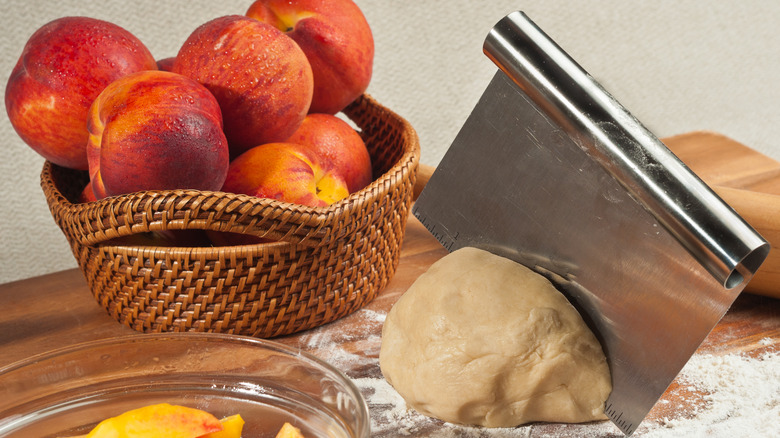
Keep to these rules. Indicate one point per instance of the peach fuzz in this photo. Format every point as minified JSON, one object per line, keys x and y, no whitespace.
{"x":155,"y":130}
{"x":337,"y":40}
{"x":339,"y":148}
{"x":260,"y":77}
{"x":62,"y":69}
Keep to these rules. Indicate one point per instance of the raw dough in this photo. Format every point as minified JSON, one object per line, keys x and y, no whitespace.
{"x":479,"y":339}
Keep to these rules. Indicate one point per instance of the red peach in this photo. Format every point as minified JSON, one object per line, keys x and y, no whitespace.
{"x":339,"y":148}
{"x":166,"y":64}
{"x":87,"y":195}
{"x":155,"y":130}
{"x":337,"y":40}
{"x":260,"y":77}
{"x":63,"y":67}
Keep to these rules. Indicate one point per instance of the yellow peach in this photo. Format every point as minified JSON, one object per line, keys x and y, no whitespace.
{"x":158,"y":421}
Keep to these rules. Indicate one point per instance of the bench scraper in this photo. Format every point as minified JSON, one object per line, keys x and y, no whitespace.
{"x":551,"y":171}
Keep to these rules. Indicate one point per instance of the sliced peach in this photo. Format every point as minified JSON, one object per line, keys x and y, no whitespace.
{"x":158,"y":421}
{"x":289,"y":431}
{"x":231,"y":428}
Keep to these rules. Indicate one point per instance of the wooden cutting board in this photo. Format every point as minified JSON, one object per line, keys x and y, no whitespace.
{"x":746,"y":179}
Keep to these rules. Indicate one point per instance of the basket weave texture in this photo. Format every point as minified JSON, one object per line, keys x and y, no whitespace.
{"x":325,"y":262}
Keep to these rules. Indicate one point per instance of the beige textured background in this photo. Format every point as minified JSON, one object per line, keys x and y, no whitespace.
{"x":678,"y":66}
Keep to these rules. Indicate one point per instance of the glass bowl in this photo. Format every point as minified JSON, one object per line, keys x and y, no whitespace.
{"x":68,"y":391}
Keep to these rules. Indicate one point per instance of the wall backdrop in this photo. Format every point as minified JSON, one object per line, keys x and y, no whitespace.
{"x":677,"y":65}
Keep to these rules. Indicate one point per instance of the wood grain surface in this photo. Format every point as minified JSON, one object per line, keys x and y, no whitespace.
{"x":57,"y":310}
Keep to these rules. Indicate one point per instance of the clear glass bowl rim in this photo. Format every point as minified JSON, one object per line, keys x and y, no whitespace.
{"x":362,"y":428}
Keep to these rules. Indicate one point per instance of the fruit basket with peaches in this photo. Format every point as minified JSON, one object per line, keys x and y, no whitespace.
{"x":248,"y":185}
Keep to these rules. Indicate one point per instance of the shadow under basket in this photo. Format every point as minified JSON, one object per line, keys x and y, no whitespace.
{"x":323,"y":263}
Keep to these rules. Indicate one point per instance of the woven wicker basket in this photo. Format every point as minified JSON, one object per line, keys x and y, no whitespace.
{"x":325,"y":264}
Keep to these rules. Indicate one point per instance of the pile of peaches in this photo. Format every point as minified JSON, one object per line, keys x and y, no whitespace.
{"x":248,"y":105}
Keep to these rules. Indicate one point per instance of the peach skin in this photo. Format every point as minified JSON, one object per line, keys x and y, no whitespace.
{"x":282,"y":171}
{"x":155,"y":130}
{"x":87,"y":194}
{"x":63,"y":67}
{"x":285,"y":172}
{"x":339,"y":148}
{"x":337,"y":40}
{"x":260,"y":77}
{"x":232,"y":427}
{"x":166,"y":64}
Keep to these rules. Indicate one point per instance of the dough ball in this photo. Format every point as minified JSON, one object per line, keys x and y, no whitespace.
{"x":480,"y":339}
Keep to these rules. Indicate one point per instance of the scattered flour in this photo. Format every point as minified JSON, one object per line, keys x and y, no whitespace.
{"x":742,"y":397}
{"x":732,"y":395}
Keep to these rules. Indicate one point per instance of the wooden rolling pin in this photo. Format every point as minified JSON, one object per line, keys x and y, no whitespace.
{"x":762,"y":212}
{"x":745,"y":179}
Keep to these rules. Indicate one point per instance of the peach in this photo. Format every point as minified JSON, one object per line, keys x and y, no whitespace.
{"x":166,"y":64}
{"x":155,"y":130}
{"x":87,"y":194}
{"x":337,"y":40}
{"x":63,"y":67}
{"x":260,"y":77}
{"x":285,"y":172}
{"x":339,"y":148}
{"x":161,"y":420}
{"x":289,"y":431}
{"x":232,"y":427}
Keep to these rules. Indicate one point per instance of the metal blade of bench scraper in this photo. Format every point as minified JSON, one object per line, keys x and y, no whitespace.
{"x":549,"y":170}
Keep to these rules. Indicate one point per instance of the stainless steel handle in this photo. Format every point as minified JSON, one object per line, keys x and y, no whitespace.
{"x":720,"y":240}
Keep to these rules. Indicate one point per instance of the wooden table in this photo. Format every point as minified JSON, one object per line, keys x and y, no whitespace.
{"x":57,"y":310}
